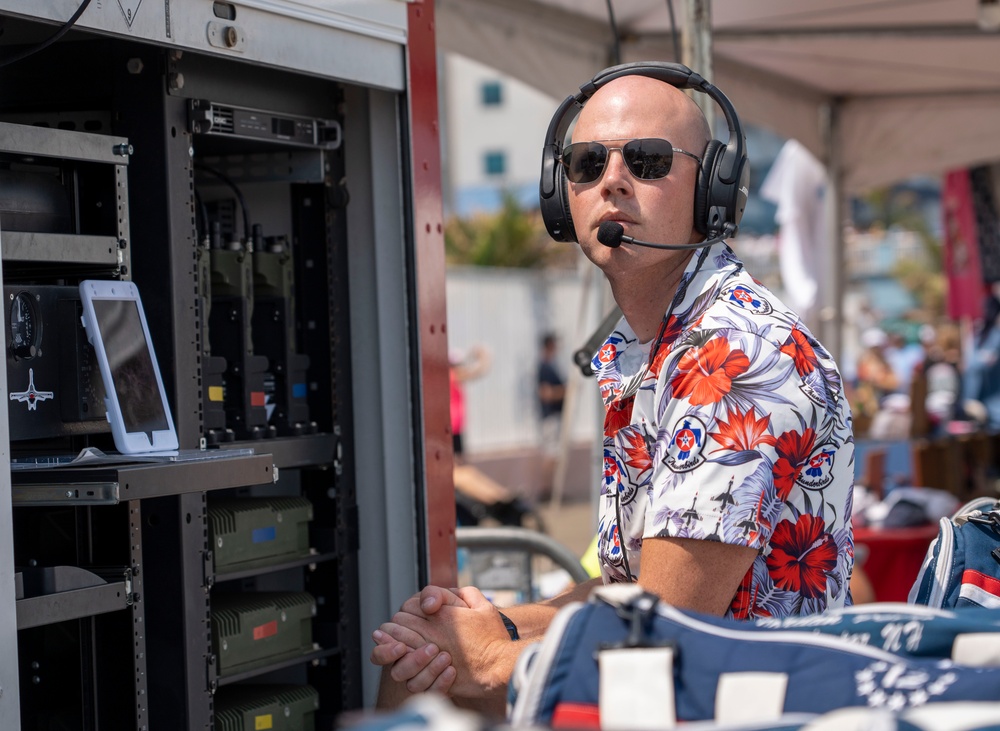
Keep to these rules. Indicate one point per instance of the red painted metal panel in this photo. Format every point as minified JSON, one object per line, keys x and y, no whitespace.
{"x":966,"y":291}
{"x":430,"y":278}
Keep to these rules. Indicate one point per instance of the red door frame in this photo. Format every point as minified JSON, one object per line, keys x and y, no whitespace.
{"x":430,"y":282}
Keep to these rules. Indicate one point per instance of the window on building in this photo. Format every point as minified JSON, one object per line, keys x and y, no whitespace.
{"x":492,"y":94}
{"x":495,"y":162}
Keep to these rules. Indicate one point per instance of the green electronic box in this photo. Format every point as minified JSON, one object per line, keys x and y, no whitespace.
{"x":266,"y":708}
{"x":249,"y":533}
{"x":255,"y":629}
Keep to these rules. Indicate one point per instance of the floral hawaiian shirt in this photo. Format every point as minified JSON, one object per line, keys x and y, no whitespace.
{"x":733,"y":428}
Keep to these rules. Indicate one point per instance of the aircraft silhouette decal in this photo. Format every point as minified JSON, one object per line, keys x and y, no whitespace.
{"x":31,"y":395}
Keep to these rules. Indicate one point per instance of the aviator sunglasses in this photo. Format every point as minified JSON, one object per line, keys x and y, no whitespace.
{"x":647,"y":159}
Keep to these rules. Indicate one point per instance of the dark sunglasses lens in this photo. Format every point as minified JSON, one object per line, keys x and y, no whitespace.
{"x":584,"y":161}
{"x":648,"y":159}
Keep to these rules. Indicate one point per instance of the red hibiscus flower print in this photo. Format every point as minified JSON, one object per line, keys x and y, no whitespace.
{"x":742,"y":604}
{"x":743,"y":432}
{"x":618,"y":415}
{"x":666,"y":342}
{"x":635,"y":448}
{"x":802,"y":553}
{"x":707,"y":373}
{"x":797,"y":348}
{"x":793,"y":451}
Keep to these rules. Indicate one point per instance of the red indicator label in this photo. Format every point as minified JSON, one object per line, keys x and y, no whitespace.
{"x":266,"y":630}
{"x":256,"y":398}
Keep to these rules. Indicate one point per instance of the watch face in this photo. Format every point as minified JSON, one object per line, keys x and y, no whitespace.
{"x":25,"y":325}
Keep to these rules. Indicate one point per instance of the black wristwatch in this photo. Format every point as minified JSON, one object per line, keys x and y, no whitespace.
{"x":511,"y":627}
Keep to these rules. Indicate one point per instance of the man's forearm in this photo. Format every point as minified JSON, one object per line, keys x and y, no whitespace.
{"x":533,"y":619}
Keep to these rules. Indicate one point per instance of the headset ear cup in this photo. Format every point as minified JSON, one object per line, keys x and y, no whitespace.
{"x":555,"y":210}
{"x":567,"y":216}
{"x":703,"y":187}
{"x":740,"y":193}
{"x":555,"y":207}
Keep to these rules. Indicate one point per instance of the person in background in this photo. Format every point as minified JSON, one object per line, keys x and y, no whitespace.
{"x":463,"y":367}
{"x":874,"y":370}
{"x":981,"y":384}
{"x":728,"y":453}
{"x":476,"y":494}
{"x":551,"y":394}
{"x":942,"y":371}
{"x":875,"y":379}
{"x":903,"y":357}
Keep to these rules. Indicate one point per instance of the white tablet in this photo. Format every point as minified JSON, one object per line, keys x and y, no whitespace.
{"x":136,"y":402}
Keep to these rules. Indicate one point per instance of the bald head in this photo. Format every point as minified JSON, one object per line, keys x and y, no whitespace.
{"x":657,"y":208}
{"x":639,"y":106}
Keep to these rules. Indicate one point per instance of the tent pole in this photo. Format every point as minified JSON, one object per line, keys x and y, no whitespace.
{"x":831,"y":292}
{"x":696,"y":49}
{"x":574,"y":379}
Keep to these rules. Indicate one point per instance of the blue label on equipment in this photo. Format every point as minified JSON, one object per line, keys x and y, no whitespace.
{"x":261,"y":535}
{"x":298,"y":390}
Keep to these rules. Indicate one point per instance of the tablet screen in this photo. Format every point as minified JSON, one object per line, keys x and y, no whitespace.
{"x":131,"y":365}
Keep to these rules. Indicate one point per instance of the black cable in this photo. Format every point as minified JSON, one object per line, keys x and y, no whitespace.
{"x":46,"y":43}
{"x":201,"y":218}
{"x":239,"y":196}
{"x":673,"y":32}
{"x":614,"y":30}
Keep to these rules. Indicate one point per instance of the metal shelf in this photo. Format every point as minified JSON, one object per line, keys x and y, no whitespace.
{"x":310,"y":657}
{"x":77,"y":249}
{"x":109,"y":485}
{"x":309,"y":560}
{"x":288,"y":452}
{"x":31,"y":140}
{"x":42,"y":610}
{"x":70,"y":592}
{"x":78,"y":493}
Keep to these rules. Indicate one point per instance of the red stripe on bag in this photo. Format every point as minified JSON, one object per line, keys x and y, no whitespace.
{"x":983,"y":581}
{"x":576,"y":715}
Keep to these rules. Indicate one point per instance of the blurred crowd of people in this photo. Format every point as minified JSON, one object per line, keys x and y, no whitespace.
{"x":925,"y":382}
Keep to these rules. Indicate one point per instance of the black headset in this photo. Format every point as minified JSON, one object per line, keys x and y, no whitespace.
{"x":723,"y":177}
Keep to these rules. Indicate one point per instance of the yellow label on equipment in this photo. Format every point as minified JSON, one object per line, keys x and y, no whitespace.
{"x":261,"y":723}
{"x":215,"y":394}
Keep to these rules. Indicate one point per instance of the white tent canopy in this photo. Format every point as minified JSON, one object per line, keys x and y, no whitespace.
{"x":879,"y":90}
{"x":915,"y":83}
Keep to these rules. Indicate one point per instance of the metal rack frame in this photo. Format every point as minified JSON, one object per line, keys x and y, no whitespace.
{"x":379,"y":333}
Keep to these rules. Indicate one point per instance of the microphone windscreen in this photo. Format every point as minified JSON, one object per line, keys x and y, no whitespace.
{"x":610,"y":234}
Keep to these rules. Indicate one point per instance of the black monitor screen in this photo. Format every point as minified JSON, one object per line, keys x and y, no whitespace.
{"x":131,"y":365}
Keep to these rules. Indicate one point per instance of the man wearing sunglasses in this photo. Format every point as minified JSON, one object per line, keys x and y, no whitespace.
{"x":728,"y":453}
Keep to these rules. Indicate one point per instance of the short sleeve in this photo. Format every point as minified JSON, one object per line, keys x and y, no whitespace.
{"x":742,"y":441}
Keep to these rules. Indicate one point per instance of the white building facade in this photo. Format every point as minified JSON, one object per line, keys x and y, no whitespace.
{"x":494,"y":127}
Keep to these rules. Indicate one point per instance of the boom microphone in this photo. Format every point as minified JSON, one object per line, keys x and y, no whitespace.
{"x":612,"y":235}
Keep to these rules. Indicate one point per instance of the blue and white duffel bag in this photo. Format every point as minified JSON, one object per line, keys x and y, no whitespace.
{"x":624,"y":660}
{"x":962,"y":566}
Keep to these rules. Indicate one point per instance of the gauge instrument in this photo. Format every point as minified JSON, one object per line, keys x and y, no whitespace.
{"x":25,"y":325}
